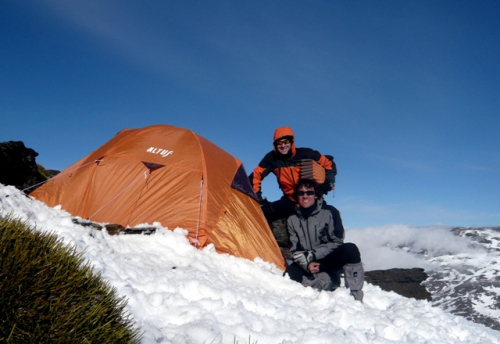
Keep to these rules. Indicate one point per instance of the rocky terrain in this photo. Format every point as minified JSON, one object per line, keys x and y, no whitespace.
{"x":468,"y":284}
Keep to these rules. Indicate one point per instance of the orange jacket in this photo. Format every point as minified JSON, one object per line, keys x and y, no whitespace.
{"x":286,"y":167}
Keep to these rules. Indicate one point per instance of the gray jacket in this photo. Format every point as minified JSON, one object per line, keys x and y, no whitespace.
{"x":321,"y":232}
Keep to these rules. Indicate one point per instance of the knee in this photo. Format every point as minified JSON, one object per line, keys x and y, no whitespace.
{"x":294,"y":272}
{"x":352,"y":253}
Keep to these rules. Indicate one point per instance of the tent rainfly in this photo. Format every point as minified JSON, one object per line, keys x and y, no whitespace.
{"x":172,"y":176}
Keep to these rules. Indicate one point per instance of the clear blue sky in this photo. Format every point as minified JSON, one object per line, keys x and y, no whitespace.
{"x":404,"y":94}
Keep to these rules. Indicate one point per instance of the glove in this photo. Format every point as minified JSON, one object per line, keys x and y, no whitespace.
{"x":262,"y":201}
{"x":303,"y":258}
{"x":259,"y":196}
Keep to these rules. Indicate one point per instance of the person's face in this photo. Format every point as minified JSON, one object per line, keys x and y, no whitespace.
{"x":306,"y":196}
{"x":283,"y":146}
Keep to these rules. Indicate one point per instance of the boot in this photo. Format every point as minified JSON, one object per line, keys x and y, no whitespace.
{"x":354,"y":277}
{"x":335,"y":278}
{"x":319,"y":281}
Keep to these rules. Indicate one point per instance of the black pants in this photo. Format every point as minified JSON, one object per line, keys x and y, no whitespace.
{"x":279,"y":209}
{"x":347,"y":253}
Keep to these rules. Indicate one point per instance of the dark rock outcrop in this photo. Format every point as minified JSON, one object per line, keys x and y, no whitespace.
{"x":405,"y":282}
{"x":280,"y":234}
{"x":18,"y":165}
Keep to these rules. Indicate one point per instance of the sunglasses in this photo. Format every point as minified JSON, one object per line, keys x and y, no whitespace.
{"x":308,"y":193}
{"x":282,"y":142}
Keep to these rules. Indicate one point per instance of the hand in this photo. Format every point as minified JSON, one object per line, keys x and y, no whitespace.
{"x":313,"y":267}
{"x":303,"y":258}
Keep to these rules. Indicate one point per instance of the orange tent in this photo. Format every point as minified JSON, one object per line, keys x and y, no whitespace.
{"x":173,"y":176}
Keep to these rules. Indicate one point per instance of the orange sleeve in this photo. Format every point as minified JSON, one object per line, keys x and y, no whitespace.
{"x":325,"y":162}
{"x":257,"y":178}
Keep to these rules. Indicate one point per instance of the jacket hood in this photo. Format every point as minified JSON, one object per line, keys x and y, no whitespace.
{"x":285,"y":132}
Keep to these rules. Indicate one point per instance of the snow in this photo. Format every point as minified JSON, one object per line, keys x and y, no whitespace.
{"x":179,"y":294}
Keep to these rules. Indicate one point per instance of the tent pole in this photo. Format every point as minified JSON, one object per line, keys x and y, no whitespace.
{"x":199,"y":212}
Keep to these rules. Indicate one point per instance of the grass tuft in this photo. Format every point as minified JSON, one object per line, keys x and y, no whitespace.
{"x":48,"y":294}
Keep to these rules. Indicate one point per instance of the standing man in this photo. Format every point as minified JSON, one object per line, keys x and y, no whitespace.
{"x":318,"y":249}
{"x":284,"y":161}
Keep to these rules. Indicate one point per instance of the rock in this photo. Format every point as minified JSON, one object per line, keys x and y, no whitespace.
{"x":405,"y":282}
{"x":19,"y":166}
{"x":114,"y":228}
{"x":278,"y":228}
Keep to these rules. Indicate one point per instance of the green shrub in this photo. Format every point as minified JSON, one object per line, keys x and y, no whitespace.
{"x":49,"y":295}
{"x":46,"y":174}
{"x":43,"y":171}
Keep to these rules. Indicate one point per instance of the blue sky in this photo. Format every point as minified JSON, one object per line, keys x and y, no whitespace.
{"x":404,"y":94}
